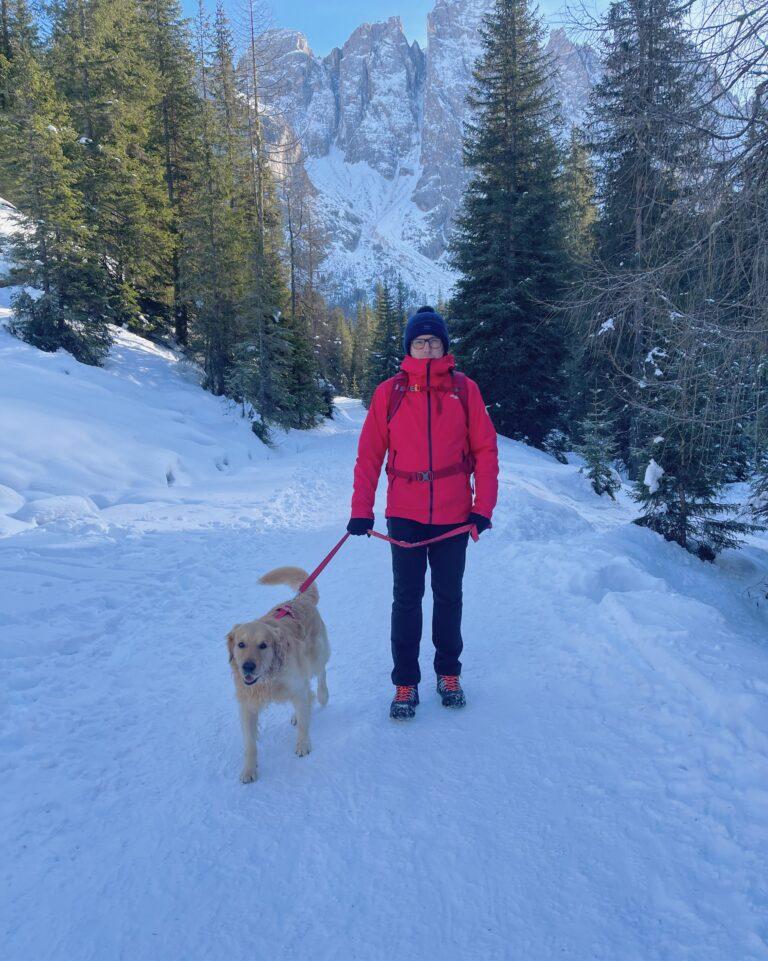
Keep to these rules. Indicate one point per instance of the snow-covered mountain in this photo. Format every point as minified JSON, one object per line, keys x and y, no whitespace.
{"x":379,"y":123}
{"x":601,"y":796}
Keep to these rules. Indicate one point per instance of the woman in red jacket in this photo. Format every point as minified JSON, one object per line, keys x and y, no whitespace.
{"x":432,"y":424}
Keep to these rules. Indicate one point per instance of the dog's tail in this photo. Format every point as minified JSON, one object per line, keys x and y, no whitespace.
{"x":294,"y":577}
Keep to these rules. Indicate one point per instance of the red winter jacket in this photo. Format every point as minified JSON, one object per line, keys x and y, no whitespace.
{"x":429,"y":431}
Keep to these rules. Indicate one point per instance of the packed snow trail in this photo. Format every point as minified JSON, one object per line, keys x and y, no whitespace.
{"x":602,"y":796}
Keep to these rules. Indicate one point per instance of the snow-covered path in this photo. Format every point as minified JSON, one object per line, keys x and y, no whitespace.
{"x":603,"y":795}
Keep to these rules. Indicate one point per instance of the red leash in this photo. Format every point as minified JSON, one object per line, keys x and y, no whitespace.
{"x":322,"y":565}
{"x":464,"y":529}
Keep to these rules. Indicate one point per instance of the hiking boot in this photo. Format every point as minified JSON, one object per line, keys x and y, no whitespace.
{"x":404,"y":704}
{"x":450,"y":691}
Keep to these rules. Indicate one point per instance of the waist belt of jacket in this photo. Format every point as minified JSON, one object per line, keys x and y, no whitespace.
{"x":466,"y":466}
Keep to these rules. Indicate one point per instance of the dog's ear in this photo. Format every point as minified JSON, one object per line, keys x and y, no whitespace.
{"x":231,"y":641}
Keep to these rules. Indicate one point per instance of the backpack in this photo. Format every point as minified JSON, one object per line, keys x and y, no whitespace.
{"x":458,"y":388}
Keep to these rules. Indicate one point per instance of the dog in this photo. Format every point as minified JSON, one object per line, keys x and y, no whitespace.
{"x":274,"y":658}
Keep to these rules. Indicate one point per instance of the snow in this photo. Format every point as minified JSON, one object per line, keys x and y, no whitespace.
{"x":9,"y":223}
{"x":653,"y":474}
{"x":606,"y":326}
{"x":380,"y":221}
{"x":602,"y":795}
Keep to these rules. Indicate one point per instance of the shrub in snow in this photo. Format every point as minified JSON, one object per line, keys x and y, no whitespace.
{"x":679,"y":495}
{"x":598,"y":448}
{"x":51,"y":323}
{"x":758,"y":500}
{"x":556,"y":444}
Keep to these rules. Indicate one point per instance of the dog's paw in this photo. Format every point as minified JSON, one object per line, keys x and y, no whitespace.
{"x":303,"y":748}
{"x":248,"y":775}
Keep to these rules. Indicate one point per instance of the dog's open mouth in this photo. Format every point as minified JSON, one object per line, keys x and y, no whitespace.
{"x":250,"y":679}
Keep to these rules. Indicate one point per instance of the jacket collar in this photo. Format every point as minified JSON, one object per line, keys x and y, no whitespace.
{"x":416,"y":367}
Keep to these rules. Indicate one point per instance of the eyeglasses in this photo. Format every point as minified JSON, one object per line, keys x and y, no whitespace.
{"x":420,"y":343}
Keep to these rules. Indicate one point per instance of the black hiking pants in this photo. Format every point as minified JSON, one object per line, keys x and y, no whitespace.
{"x":409,"y":565}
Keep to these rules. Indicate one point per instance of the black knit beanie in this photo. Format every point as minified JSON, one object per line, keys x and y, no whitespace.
{"x":426,"y":320}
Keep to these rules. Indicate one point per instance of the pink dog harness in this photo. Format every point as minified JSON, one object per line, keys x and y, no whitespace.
{"x":285,"y":611}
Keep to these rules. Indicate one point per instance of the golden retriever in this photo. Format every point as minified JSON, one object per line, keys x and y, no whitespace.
{"x":274,"y":659}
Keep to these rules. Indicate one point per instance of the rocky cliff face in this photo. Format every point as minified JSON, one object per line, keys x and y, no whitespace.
{"x":364,"y":98}
{"x":453,"y":45}
{"x":380,"y":78}
{"x":377,"y":125}
{"x":578,"y":67}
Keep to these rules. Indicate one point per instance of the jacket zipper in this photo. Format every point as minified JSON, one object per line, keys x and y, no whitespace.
{"x":429,"y":441}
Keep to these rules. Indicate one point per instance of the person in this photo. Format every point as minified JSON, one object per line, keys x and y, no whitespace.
{"x":432,"y":424}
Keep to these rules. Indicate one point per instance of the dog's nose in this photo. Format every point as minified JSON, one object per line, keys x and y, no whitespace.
{"x":249,"y":667}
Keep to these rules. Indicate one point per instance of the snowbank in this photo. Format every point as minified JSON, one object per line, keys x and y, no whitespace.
{"x":136,"y":444}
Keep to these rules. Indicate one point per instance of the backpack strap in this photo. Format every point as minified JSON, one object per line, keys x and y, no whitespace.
{"x":399,"y":387}
{"x":461,"y":390}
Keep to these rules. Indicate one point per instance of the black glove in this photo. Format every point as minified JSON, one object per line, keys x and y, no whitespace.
{"x":481,"y":523}
{"x":360,"y":525}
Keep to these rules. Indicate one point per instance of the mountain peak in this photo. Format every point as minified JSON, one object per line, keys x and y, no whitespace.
{"x":380,"y":123}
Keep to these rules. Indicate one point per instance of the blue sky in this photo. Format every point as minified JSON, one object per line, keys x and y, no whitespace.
{"x":328,"y":23}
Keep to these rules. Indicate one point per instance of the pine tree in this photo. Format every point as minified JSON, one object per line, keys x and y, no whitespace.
{"x":18,"y":33}
{"x":509,"y":243}
{"x":646,"y":129}
{"x":685,"y":402}
{"x":174,"y":136}
{"x":361,"y":341}
{"x":387,"y":343}
{"x":54,"y":252}
{"x":290,"y":394}
{"x":679,"y":497}
{"x":579,"y":193}
{"x":646,"y":125}
{"x":340,"y":352}
{"x":399,"y":297}
{"x":214,"y":270}
{"x":598,"y":448}
{"x":333,"y":347}
{"x":311,"y":393}
{"x":102,"y":67}
{"x":260,"y":379}
{"x":307,"y":245}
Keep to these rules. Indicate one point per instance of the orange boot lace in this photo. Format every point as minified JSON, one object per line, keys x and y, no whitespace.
{"x":403,"y":692}
{"x":450,"y":682}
